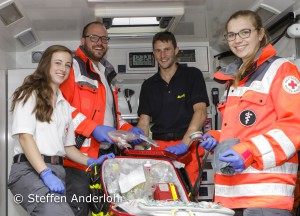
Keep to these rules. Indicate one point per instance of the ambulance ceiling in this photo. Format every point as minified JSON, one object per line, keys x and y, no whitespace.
{"x":63,"y":20}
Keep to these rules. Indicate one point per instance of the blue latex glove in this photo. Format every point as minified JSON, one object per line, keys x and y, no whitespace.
{"x":100,"y":133}
{"x":234,"y":159}
{"x":137,"y":131}
{"x":92,"y":161}
{"x":208,"y":142}
{"x":179,"y":149}
{"x":54,"y":184}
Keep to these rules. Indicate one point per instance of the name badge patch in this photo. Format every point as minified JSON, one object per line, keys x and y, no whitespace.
{"x":291,"y":85}
{"x":247,"y":118}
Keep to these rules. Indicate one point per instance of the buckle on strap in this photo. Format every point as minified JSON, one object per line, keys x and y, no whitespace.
{"x":54,"y":159}
{"x":19,"y":156}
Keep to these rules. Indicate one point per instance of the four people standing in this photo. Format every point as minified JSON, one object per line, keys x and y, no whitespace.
{"x":259,"y":114}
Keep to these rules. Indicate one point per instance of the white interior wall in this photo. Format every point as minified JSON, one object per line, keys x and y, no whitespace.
{"x":3,"y":134}
{"x":117,"y":52}
{"x":23,"y":59}
{"x":7,"y":60}
{"x":188,"y":25}
{"x":286,"y":47}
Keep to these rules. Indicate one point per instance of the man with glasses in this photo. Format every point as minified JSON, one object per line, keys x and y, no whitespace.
{"x":89,"y":89}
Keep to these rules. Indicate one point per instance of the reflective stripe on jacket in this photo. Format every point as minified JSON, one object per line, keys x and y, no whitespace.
{"x":263,"y":112}
{"x":84,"y":90}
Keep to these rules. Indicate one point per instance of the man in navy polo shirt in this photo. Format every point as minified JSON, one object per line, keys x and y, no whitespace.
{"x":174,"y":100}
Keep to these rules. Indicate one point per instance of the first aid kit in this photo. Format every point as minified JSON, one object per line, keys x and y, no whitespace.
{"x":149,"y":186}
{"x":185,"y":158}
{"x":165,"y":191}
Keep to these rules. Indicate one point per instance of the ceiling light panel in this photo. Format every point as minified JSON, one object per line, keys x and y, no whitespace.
{"x":10,"y":14}
{"x":126,"y":21}
{"x":26,"y":38}
{"x":145,"y":10}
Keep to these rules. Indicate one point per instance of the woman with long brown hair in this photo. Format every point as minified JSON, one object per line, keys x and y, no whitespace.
{"x":256,"y":149}
{"x":43,"y":134}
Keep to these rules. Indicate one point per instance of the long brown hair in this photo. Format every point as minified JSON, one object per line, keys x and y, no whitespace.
{"x":38,"y":83}
{"x":257,"y":23}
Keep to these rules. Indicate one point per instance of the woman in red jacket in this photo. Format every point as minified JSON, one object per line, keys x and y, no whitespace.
{"x":259,"y":136}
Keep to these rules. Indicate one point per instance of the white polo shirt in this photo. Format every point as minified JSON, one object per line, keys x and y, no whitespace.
{"x":50,"y":137}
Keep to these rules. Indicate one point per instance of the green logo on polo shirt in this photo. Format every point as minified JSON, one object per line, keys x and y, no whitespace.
{"x":181,"y":96}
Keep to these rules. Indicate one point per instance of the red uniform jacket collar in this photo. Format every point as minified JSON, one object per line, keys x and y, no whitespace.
{"x":228,"y":73}
{"x":80,"y":53}
{"x":110,"y":73}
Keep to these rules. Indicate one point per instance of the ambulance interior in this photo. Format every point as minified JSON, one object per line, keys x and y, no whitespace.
{"x":28,"y":27}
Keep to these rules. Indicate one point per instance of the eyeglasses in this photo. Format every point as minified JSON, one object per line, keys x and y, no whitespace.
{"x":245,"y":33}
{"x":96,"y":38}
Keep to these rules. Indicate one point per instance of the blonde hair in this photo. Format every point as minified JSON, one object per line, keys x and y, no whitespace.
{"x":257,"y":23}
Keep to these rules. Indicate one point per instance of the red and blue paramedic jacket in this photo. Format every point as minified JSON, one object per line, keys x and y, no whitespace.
{"x":264,"y":113}
{"x":87,"y":94}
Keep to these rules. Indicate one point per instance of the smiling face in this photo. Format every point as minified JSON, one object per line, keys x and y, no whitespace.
{"x":60,"y":67}
{"x":244,"y":48}
{"x":165,"y":54}
{"x":95,"y":50}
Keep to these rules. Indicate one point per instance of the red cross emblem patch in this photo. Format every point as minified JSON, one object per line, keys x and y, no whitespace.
{"x":291,"y":85}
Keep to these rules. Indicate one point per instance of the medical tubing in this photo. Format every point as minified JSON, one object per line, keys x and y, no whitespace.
{"x":197,"y":184}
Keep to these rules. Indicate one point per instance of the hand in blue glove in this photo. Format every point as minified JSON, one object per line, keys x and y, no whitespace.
{"x":100,"y":133}
{"x":92,"y":161}
{"x":235,"y":160}
{"x":137,"y":131}
{"x":179,"y":149}
{"x":54,"y":184}
{"x":208,"y":142}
